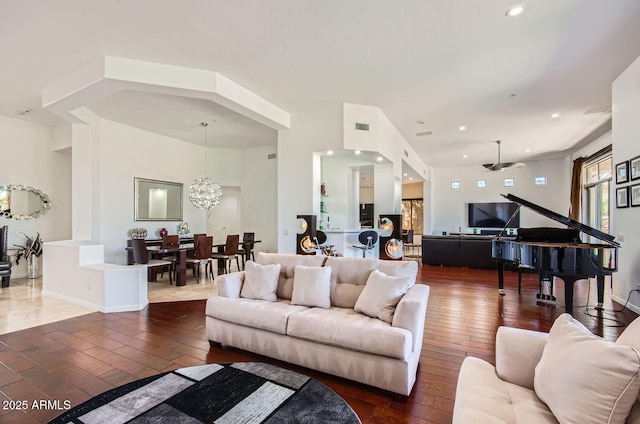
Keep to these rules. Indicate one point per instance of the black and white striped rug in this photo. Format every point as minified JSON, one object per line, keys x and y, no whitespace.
{"x":242,"y":392}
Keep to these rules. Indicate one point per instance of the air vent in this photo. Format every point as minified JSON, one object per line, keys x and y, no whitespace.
{"x":424,"y":133}
{"x":271,"y":156}
{"x":23,"y":112}
{"x":362,"y":127}
{"x":605,"y":109}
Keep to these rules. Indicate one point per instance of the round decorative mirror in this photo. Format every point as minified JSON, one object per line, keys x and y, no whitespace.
{"x":22,"y":202}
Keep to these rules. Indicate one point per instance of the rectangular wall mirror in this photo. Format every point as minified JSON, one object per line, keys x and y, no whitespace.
{"x":157,"y":200}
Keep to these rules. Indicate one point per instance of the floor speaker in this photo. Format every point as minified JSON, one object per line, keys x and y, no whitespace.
{"x":306,"y":232}
{"x":390,"y":227}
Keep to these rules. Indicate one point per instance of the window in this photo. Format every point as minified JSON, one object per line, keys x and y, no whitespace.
{"x":597,"y":187}
{"x":412,"y":215}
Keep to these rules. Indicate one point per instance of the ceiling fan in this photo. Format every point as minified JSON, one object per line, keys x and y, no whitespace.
{"x":499,"y":166}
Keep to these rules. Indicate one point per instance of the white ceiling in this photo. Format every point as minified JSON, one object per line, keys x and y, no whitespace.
{"x":445,"y":63}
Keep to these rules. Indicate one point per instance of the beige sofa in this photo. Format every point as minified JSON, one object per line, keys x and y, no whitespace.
{"x":335,"y":339}
{"x":566,"y":376}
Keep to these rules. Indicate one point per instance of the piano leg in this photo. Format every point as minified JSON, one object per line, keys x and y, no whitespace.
{"x":600,"y":283}
{"x":501,"y":278}
{"x":568,"y":292}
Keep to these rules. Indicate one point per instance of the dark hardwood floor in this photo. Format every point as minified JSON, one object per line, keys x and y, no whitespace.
{"x":78,"y":358}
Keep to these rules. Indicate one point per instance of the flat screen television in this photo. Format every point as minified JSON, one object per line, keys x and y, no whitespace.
{"x":493,"y":215}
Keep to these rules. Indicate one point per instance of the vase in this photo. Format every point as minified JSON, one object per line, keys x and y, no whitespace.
{"x":33,"y":267}
{"x":163,"y":232}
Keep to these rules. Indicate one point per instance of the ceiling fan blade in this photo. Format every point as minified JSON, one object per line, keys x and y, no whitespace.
{"x":495,"y":166}
{"x":499,"y":166}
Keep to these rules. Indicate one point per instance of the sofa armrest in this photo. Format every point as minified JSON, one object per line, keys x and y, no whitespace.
{"x":229,"y":285}
{"x":518,"y":352}
{"x":410,"y":313}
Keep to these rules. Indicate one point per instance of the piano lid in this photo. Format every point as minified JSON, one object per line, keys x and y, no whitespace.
{"x":608,"y":238}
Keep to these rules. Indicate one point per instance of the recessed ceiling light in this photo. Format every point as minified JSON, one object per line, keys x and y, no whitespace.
{"x":357,"y":152}
{"x":514,"y":11}
{"x":410,"y":178}
{"x":405,"y":174}
{"x":465,"y":156}
{"x":462,"y":128}
{"x":527,"y":150}
{"x":554,"y":115}
{"x":379,"y":158}
{"x":329,"y":152}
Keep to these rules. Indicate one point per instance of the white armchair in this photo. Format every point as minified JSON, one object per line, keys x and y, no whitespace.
{"x":567,"y":375}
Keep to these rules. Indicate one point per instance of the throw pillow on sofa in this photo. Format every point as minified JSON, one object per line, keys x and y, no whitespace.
{"x":312,"y":286}
{"x":260,"y":281}
{"x":584,"y":378}
{"x":381,"y":295}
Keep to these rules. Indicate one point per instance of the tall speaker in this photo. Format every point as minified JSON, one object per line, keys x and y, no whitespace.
{"x":306,"y":232}
{"x":390,"y":230}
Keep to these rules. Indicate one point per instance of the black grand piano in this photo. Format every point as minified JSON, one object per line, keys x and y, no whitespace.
{"x":557,"y":252}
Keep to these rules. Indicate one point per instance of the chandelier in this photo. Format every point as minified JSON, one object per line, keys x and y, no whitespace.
{"x":204,"y":193}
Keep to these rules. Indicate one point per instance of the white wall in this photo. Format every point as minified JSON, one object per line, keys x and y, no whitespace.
{"x":124,"y":153}
{"x":259,"y":196}
{"x":366,"y":195}
{"x":449,"y":207}
{"x":332,"y":127}
{"x":299,"y":169}
{"x":595,"y":146}
{"x":337,"y":178}
{"x":30,"y":159}
{"x":413,"y":190}
{"x":127,"y":152}
{"x":626,"y":130}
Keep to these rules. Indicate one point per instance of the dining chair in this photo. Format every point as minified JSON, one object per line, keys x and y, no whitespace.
{"x":141,"y":257}
{"x":246,"y":251}
{"x":203,"y":248}
{"x":170,"y":242}
{"x":192,"y":255}
{"x":230,"y":252}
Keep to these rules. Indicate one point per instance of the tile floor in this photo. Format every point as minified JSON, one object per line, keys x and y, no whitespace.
{"x":22,"y":305}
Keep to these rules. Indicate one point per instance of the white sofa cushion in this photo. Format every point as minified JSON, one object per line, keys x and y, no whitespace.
{"x":288,"y":262}
{"x":348,"y":278}
{"x":483,"y":398}
{"x":518,"y":351}
{"x":260,"y":281}
{"x":381,"y":294}
{"x":631,"y":337}
{"x":346,"y":328}
{"x":262,"y":314}
{"x":312,"y":286}
{"x":584,"y":378}
{"x":407,"y":269}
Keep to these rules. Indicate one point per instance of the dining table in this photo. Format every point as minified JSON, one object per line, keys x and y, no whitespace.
{"x":181,"y":259}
